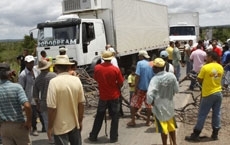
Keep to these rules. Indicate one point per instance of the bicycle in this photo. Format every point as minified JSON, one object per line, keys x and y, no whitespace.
{"x":188,"y":109}
{"x":192,"y":76}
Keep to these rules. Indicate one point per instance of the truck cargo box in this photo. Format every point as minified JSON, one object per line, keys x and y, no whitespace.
{"x":131,"y":25}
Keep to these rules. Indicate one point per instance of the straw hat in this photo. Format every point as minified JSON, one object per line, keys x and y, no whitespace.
{"x":44,"y":64}
{"x":62,"y":60}
{"x":107,"y":55}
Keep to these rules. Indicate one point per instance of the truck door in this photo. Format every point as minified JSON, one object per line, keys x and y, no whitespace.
{"x":88,"y":34}
{"x":93,"y":39}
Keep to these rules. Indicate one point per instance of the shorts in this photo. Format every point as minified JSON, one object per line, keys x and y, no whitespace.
{"x":165,"y":126}
{"x":138,"y":99}
{"x":15,"y":133}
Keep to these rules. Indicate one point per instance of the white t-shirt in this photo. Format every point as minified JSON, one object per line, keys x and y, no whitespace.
{"x":171,"y":68}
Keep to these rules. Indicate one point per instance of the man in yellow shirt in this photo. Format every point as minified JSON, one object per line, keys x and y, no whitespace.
{"x":170,"y":51}
{"x":210,"y":76}
{"x":65,"y":102}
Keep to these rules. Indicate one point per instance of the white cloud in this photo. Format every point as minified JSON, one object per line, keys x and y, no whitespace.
{"x":211,"y":12}
{"x":19,"y":16}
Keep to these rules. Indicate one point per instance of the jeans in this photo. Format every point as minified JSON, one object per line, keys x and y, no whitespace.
{"x":177,"y":70}
{"x":193,"y":80}
{"x":36,"y":113}
{"x":210,"y":102}
{"x":113,"y":106}
{"x":44,"y":115}
{"x":74,"y":137}
{"x":188,"y":66}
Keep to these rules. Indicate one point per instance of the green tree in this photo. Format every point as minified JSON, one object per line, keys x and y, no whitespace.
{"x":29,"y":43}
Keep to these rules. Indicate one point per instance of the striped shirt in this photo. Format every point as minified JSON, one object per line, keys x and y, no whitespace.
{"x":41,"y":86}
{"x":12,"y":97}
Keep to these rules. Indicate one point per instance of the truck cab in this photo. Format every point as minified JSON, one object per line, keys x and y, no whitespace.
{"x":83,"y":38}
{"x":184,"y":27}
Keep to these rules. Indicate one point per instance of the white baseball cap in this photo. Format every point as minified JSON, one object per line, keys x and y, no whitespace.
{"x":29,"y":58}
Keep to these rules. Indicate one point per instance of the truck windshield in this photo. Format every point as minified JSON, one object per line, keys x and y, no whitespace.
{"x":54,"y":36}
{"x":182,"y":30}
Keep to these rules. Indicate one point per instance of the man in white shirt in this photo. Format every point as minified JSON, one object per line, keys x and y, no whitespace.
{"x":188,"y":48}
{"x":168,"y":67}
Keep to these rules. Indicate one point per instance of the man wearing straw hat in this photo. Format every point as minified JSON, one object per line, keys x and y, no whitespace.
{"x":65,"y":98}
{"x":110,"y":80}
{"x":40,"y":89}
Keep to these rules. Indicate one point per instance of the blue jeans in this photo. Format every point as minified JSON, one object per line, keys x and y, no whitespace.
{"x":44,"y":115}
{"x":188,"y":66}
{"x":113,"y":106}
{"x":74,"y":137}
{"x":177,"y":69}
{"x":210,"y":102}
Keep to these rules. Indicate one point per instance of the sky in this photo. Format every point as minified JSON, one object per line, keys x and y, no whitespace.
{"x":18,"y":17}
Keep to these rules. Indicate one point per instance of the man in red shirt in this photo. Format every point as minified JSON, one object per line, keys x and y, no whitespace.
{"x":216,"y":49}
{"x":110,"y":80}
{"x":200,"y":43}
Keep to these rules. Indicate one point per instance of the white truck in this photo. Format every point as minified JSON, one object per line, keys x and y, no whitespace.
{"x":184,"y":26}
{"x":86,"y":26}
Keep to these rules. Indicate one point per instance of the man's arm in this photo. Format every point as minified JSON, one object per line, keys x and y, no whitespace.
{"x":28,"y":111}
{"x":51,"y":117}
{"x":200,"y":80}
{"x":188,"y":51}
{"x":137,"y":78}
{"x":152,"y":91}
{"x":80,"y":114}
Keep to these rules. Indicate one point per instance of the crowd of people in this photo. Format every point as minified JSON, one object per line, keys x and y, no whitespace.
{"x":209,"y":64}
{"x":40,"y":93}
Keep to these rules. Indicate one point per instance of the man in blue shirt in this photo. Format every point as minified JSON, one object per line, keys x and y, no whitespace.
{"x":225,"y":63}
{"x":14,"y":127}
{"x":144,"y":73}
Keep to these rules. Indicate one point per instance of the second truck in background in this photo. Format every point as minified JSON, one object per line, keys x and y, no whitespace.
{"x":184,"y":26}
